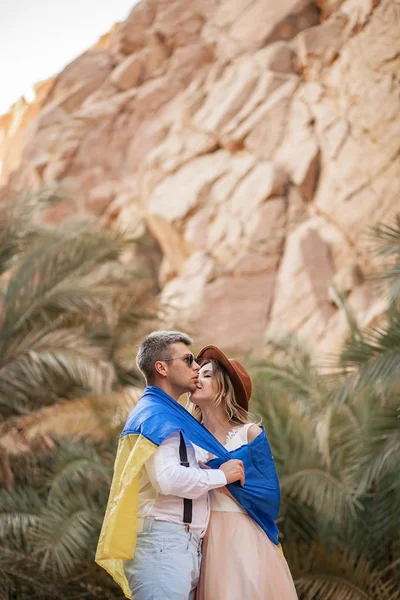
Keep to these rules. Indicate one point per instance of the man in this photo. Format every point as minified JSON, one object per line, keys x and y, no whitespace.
{"x":173,"y":508}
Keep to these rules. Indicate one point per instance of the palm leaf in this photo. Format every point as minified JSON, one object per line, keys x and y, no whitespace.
{"x":305,"y":475}
{"x":57,"y":272}
{"x":19,"y":515}
{"x":325,"y":573}
{"x":324,"y":491}
{"x":379,"y":454}
{"x":41,"y":368}
{"x":386,"y":238}
{"x":297,"y":521}
{"x":64,"y":533}
{"x":94,"y":419}
{"x":289,"y":369}
{"x":369,"y":362}
{"x":355,"y":332}
{"x":21,"y":578}
{"x":77,"y":467}
{"x":19,"y":226}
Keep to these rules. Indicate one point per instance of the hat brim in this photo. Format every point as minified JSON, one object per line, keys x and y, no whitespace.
{"x":213,"y":352}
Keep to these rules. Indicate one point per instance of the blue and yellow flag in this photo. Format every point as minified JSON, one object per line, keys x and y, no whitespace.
{"x":155,"y":417}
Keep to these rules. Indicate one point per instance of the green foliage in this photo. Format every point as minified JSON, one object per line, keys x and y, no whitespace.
{"x":55,"y":520}
{"x":19,"y":224}
{"x":340,"y":482}
{"x":61,"y":315}
{"x":71,"y":314}
{"x":336,"y":441}
{"x":70,"y":307}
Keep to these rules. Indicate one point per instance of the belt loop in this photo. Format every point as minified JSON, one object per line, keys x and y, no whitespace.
{"x":140,"y":525}
{"x":144,"y":525}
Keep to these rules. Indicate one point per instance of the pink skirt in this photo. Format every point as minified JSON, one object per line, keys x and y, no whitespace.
{"x":240,"y":562}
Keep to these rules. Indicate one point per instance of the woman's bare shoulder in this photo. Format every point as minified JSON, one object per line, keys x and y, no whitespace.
{"x":252,"y":432}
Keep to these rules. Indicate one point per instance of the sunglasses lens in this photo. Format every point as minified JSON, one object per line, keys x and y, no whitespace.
{"x":189,"y":359}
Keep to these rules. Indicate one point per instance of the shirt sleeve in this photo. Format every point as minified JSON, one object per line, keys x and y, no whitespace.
{"x":169,"y":477}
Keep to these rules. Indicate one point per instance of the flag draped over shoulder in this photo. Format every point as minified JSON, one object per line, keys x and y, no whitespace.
{"x":155,"y":417}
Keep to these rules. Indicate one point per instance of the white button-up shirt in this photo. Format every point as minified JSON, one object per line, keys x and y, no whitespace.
{"x":165,"y":482}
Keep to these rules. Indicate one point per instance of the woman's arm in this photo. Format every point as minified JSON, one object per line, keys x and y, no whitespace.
{"x":253,"y":432}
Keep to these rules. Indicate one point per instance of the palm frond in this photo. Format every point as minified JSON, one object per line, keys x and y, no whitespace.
{"x":19,"y":223}
{"x":19,"y":515}
{"x":43,"y":368}
{"x":68,"y":304}
{"x":326,"y":573}
{"x":287,"y":379}
{"x":305,"y":474}
{"x":355,"y":332}
{"x":380,"y":531}
{"x":289,"y":369}
{"x":94,"y":419}
{"x":338,"y":431}
{"x":297,"y":521}
{"x":369,"y":362}
{"x":386,"y":239}
{"x":380,"y":451}
{"x":319,"y":488}
{"x":55,"y":277}
{"x":77,"y":468}
{"x":19,"y":582}
{"x":22,"y":578}
{"x":64,"y":533}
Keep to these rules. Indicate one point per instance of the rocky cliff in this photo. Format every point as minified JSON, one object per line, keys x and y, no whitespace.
{"x":253,"y":140}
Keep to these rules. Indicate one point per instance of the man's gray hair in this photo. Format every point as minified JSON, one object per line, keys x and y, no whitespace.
{"x":156,"y":346}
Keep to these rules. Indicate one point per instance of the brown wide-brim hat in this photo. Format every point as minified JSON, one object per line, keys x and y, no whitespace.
{"x":239,"y":376}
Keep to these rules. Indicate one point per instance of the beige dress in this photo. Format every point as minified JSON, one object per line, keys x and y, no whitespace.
{"x":239,"y":560}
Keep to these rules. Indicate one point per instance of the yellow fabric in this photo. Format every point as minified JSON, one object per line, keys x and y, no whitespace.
{"x":117,"y":540}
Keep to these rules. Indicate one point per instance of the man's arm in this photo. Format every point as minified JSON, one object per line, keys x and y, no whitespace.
{"x":169,"y":477}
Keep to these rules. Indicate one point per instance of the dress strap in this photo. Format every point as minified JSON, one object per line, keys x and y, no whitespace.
{"x":243,"y":432}
{"x":240,"y":431}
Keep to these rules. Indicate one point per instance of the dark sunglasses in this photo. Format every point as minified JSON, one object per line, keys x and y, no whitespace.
{"x":188,"y":359}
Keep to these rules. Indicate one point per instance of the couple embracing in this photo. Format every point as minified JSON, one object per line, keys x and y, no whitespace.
{"x":194,"y":497}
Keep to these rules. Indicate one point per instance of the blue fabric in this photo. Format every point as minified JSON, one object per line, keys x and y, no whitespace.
{"x":157,"y":415}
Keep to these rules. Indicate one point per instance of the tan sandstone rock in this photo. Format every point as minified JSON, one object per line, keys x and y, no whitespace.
{"x":252,"y":141}
{"x":128,"y":73}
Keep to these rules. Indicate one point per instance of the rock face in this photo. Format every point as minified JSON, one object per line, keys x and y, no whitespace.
{"x":255,"y":141}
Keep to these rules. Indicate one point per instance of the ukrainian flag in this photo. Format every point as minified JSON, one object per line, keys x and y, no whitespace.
{"x":155,"y":417}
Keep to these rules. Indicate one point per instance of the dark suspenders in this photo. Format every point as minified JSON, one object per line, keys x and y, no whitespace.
{"x":187,"y":504}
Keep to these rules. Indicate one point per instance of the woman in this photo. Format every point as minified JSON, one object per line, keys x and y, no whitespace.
{"x":239,"y":560}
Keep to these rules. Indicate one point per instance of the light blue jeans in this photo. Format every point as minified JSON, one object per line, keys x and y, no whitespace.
{"x":166,"y":564}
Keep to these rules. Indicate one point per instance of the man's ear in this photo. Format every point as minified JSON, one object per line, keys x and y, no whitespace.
{"x":161,"y":368}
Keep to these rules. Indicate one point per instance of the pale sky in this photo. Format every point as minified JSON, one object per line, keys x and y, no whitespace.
{"x":38,"y":38}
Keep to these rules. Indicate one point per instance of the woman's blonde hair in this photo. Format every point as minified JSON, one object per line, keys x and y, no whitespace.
{"x":224,"y":395}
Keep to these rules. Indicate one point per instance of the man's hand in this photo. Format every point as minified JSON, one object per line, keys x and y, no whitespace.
{"x":233,"y":470}
{"x":203,"y":465}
